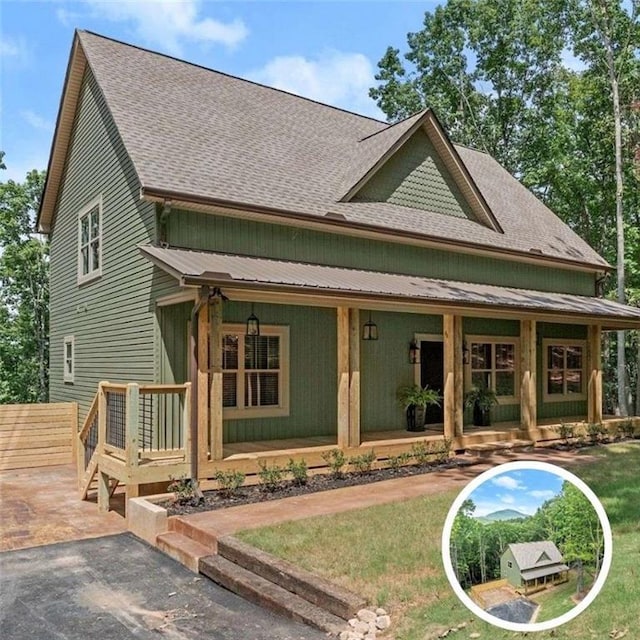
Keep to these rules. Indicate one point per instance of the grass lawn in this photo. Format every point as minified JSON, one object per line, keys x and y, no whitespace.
{"x":391,"y":555}
{"x":555,"y":601}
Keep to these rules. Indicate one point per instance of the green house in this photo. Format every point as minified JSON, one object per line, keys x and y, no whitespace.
{"x":221,"y":253}
{"x":531,"y":566}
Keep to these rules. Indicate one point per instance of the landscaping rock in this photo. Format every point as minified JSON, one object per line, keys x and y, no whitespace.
{"x":381,"y":612}
{"x":383,"y":622}
{"x":474,"y":635}
{"x":353,"y":622}
{"x":366,"y":615}
{"x":361,"y":627}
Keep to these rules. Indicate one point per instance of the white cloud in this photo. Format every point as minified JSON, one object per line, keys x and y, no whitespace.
{"x":334,"y":77}
{"x":507,"y":499}
{"x":67,"y":18}
{"x":168,"y":24}
{"x":543,"y":494}
{"x":36,"y":121}
{"x":15,"y":49}
{"x":507,"y":482}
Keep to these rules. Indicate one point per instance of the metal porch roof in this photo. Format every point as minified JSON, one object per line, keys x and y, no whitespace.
{"x":532,"y":574}
{"x":194,"y":268}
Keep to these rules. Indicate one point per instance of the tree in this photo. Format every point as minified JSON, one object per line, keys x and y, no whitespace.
{"x":500,"y":76}
{"x":24,"y":293}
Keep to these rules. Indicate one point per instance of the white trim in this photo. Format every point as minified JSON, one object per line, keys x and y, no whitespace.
{"x":187,"y":295}
{"x":480,"y":339}
{"x":238,"y":413}
{"x":69,"y":376}
{"x":563,"y":397}
{"x":95,"y":273}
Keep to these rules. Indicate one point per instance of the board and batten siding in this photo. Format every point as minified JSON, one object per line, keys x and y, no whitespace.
{"x":111,"y":317}
{"x":208,"y":232}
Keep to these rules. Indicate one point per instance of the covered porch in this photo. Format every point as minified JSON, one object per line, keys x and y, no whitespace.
{"x":541,"y":351}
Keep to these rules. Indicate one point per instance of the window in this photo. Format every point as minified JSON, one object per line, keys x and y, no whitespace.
{"x":493,"y":365}
{"x":564,"y":362}
{"x":255,"y":380}
{"x":68,"y":360}
{"x":90,"y":241}
{"x":510,"y":564}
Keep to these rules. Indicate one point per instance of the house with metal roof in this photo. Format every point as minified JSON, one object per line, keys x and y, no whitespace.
{"x":531,"y":566}
{"x":241,"y":275}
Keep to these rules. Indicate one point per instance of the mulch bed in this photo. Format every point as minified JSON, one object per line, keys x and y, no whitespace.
{"x":249,"y":495}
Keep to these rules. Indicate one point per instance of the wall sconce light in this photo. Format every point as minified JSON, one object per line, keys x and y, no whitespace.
{"x":370,"y":330}
{"x":465,"y":352}
{"x":253,"y":324}
{"x":414,"y":352}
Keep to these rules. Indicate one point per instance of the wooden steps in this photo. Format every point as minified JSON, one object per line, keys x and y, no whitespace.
{"x":183,"y":549}
{"x":313,"y":588}
{"x":268,"y":594}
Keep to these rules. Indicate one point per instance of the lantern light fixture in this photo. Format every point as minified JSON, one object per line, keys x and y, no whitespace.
{"x":370,"y":330}
{"x":414,"y":352}
{"x":253,"y":324}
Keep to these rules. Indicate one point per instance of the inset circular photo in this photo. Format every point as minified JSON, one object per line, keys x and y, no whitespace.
{"x":527,"y":546}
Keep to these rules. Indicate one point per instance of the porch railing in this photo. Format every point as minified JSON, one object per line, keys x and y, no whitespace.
{"x":140,"y":425}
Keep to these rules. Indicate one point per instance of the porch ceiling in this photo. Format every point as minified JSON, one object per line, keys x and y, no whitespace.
{"x":194,"y":268}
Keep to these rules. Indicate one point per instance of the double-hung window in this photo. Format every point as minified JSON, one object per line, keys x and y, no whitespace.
{"x":493,"y":365}
{"x":90,"y":241}
{"x":255,"y":372}
{"x":564,"y":362}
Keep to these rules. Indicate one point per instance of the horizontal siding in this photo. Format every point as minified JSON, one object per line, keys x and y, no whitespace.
{"x":218,"y":233}
{"x":111,"y":318}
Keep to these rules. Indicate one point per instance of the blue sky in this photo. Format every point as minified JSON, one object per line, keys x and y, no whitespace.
{"x":524,"y":490}
{"x":327,"y":51}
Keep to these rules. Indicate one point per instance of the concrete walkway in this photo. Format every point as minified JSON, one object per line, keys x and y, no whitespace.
{"x":41,"y":506}
{"x":228,"y":521}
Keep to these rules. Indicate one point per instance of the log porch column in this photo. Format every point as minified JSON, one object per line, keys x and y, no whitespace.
{"x":528,"y":399}
{"x":343,"y":377}
{"x":453,"y":375}
{"x":594,"y":390}
{"x":215,"y":356}
{"x":354,"y":378}
{"x":203,"y":385}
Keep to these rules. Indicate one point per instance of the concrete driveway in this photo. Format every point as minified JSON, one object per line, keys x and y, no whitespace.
{"x":118,"y":587}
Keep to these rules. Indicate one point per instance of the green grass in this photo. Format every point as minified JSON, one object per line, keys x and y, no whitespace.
{"x":391,"y":555}
{"x":555,"y":601}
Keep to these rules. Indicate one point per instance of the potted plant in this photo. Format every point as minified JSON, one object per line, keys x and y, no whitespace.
{"x":415,"y":399}
{"x":481,"y":399}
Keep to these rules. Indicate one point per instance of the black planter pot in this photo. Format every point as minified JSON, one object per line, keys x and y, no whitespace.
{"x":481,"y":417}
{"x":415,"y":418}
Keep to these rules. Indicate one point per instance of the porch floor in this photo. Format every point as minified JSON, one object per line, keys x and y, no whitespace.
{"x":498,"y":431}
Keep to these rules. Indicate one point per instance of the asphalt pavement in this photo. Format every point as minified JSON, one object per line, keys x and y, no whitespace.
{"x":118,"y":587}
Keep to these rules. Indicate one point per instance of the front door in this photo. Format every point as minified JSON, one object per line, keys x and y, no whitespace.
{"x":432,"y":375}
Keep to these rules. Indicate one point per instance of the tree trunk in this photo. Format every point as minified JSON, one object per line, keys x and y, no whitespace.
{"x":637,"y":411}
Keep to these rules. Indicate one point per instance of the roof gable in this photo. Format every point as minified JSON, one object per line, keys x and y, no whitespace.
{"x":415,"y":176}
{"x":529,"y":555}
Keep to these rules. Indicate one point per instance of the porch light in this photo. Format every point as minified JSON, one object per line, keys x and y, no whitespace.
{"x":414,"y":352}
{"x":253,"y":324}
{"x":370,"y":330}
{"x":465,"y":352}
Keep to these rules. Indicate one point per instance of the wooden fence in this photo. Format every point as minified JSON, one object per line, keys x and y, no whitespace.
{"x":37,"y":435}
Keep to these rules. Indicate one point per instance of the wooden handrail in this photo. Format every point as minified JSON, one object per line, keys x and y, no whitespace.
{"x":164,"y":388}
{"x":86,"y":425}
{"x":114,"y":388}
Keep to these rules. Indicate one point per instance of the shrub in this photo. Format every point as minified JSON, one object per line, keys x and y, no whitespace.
{"x":626,"y":429}
{"x":421,"y":453}
{"x":395,"y":462}
{"x":229,"y":481}
{"x":270,"y":477}
{"x":443,"y":450}
{"x":596,"y":431}
{"x":565,"y":431}
{"x":183,"y":489}
{"x":364,"y":462}
{"x":298,"y":471}
{"x":335,"y":460}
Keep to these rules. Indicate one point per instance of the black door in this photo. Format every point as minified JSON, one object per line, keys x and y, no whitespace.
{"x":432,"y":375}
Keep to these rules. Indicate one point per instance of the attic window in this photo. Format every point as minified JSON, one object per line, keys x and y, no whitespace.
{"x":90,"y":241}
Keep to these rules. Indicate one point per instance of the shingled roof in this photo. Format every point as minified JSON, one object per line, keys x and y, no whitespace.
{"x":533,"y":555}
{"x":197,"y":135}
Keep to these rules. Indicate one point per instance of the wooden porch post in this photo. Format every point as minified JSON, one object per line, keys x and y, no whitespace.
{"x":103,"y":479}
{"x":215,"y":346}
{"x":354,"y":378}
{"x":594,"y":391}
{"x":203,"y":385}
{"x":343,"y":377}
{"x":452,"y":362}
{"x":131,"y":442}
{"x":458,"y":377}
{"x":528,"y":400}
